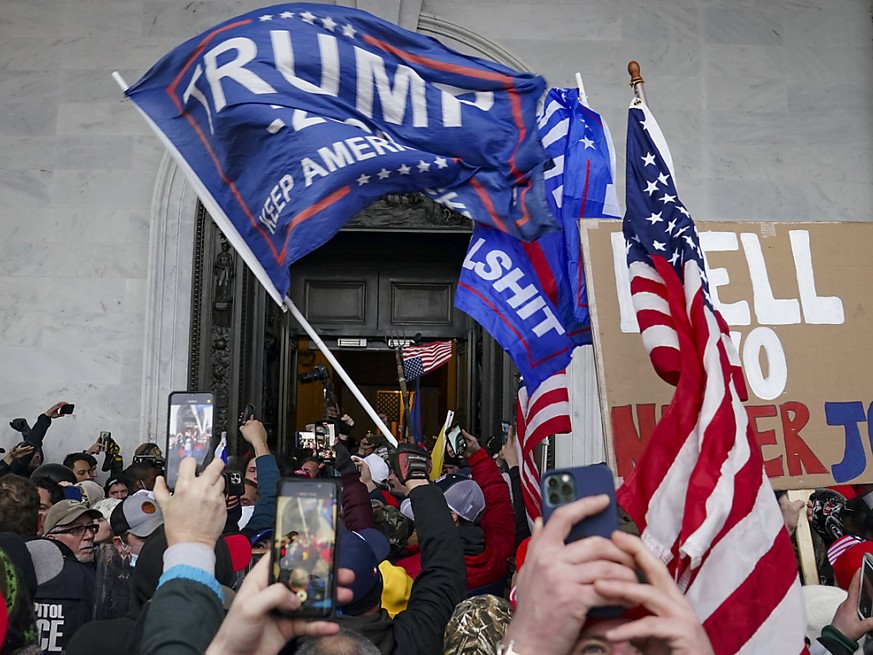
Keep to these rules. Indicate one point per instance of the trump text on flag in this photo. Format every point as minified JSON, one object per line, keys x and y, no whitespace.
{"x":794,"y":298}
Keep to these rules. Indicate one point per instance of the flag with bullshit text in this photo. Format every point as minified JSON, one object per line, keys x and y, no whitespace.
{"x":290,"y":119}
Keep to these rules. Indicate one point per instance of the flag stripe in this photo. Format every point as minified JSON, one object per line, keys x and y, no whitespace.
{"x":544,"y":413}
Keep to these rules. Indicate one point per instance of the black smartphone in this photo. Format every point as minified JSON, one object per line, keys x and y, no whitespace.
{"x":562,"y":486}
{"x":189,"y":431}
{"x":455,"y":441}
{"x":105,"y":436}
{"x":247,"y":413}
{"x":865,"y":594}
{"x":304,"y":543}
{"x":504,"y":432}
{"x":66,"y":409}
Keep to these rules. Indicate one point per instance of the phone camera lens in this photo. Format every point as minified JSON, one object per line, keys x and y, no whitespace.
{"x":554,"y":499}
{"x":552,"y":483}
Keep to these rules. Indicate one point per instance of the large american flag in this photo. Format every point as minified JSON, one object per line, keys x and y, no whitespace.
{"x":545,"y":412}
{"x":699,"y":494}
{"x":419,"y":360}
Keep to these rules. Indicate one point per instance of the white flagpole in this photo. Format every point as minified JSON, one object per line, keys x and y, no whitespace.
{"x":583,"y":97}
{"x":339,"y":369}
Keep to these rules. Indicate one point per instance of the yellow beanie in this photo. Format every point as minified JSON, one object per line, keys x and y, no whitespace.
{"x":396,"y":588}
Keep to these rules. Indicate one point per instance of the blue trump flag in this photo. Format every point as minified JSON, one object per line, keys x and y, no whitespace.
{"x":509,"y":287}
{"x":290,"y":119}
{"x":580,"y":182}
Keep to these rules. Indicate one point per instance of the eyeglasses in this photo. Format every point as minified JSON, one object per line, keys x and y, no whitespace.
{"x":79,"y":530}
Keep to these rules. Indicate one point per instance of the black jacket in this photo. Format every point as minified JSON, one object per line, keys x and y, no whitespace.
{"x":65,"y":603}
{"x":440,"y":586}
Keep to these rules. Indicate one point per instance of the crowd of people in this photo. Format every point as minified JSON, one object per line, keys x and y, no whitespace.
{"x":450,"y":566}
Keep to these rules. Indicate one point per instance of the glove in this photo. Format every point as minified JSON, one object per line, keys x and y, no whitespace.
{"x":827,"y":510}
{"x":20,"y":425}
{"x":113,"y":455}
{"x":410,"y":463}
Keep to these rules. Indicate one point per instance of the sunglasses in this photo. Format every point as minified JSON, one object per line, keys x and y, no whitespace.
{"x":79,"y":530}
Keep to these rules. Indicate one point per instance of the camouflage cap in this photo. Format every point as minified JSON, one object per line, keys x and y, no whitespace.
{"x":390,"y":522}
{"x":477,"y":626}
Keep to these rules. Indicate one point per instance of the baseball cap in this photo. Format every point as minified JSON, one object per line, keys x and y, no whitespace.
{"x":378,"y":468}
{"x":139,"y":515}
{"x":362,"y":551}
{"x":92,"y":492}
{"x":106,"y":506}
{"x":65,"y":512}
{"x":240,"y":551}
{"x":463,"y":496}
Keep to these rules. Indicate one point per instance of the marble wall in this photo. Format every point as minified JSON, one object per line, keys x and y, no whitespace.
{"x":765,"y":106}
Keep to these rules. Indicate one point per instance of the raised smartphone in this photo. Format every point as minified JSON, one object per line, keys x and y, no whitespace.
{"x":189,"y":431}
{"x":66,"y":409}
{"x":865,"y":594}
{"x":562,"y":486}
{"x":455,"y":441}
{"x":304,"y":543}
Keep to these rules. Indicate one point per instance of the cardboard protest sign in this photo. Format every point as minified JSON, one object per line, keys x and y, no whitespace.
{"x":797,"y":299}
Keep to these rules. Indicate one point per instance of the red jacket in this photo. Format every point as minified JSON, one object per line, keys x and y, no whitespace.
{"x":497,"y":522}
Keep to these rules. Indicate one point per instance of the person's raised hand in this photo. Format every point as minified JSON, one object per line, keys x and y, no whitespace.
{"x":251,"y":627}
{"x":673,"y":627}
{"x":509,"y":453}
{"x":555,"y":587}
{"x":255,"y":433}
{"x":846,"y":618}
{"x":196,"y":512}
{"x":364,"y":470}
{"x":472,"y":445}
{"x":54,"y":410}
{"x":790,"y":512}
{"x":18,"y":451}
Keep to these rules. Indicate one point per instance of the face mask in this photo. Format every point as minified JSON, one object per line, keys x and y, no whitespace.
{"x":247,"y":512}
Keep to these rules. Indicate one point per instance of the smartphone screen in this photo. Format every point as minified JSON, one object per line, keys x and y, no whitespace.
{"x":189,"y":431}
{"x":504,"y":432}
{"x":452,"y":437}
{"x":865,"y":595}
{"x":304,"y":543}
{"x":66,"y":409}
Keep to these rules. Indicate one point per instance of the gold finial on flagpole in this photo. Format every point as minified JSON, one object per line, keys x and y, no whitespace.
{"x":637,"y":82}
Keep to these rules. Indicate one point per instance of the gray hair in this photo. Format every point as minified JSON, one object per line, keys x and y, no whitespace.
{"x":345,"y":642}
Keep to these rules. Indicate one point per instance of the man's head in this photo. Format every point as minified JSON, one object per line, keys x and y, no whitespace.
{"x":344,"y":642}
{"x":50,"y":492}
{"x":251,"y":472}
{"x":311,"y":466}
{"x":19,"y":506}
{"x":72,"y":523}
{"x":593,"y":639}
{"x":140,"y":475}
{"x":132,"y":521}
{"x":250,"y":497}
{"x":361,"y":551}
{"x":116,"y":488}
{"x":150,"y":453}
{"x":105,"y":507}
{"x":463,"y":496}
{"x":83,"y":466}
